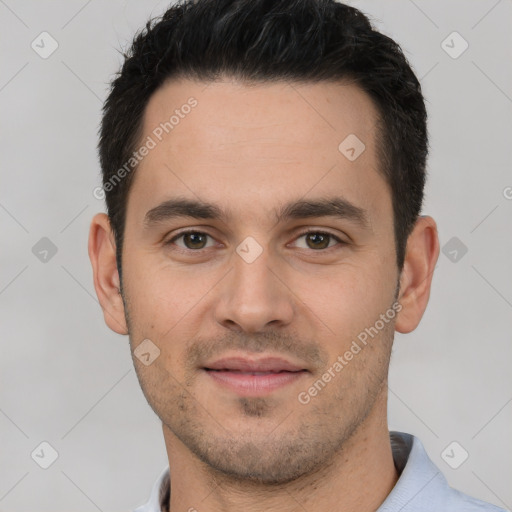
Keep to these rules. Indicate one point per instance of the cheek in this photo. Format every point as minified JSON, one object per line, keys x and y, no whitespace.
{"x":350,"y":300}
{"x":164,"y":301}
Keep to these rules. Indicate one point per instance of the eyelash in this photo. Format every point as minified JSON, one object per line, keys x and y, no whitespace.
{"x":303,"y":233}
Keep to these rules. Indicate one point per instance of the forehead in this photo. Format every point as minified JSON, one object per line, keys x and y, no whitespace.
{"x":243,"y":146}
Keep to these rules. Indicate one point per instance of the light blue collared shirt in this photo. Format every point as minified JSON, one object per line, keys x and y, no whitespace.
{"x":421,"y":486}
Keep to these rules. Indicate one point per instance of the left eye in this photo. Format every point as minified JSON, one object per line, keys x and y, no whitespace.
{"x":318,"y":240}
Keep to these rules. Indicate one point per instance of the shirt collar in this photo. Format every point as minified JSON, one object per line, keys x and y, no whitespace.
{"x":420,"y":487}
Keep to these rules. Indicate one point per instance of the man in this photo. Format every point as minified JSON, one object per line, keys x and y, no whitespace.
{"x":263,"y":165}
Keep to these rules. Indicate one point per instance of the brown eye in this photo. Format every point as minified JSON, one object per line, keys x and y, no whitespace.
{"x":319,"y":240}
{"x":193,"y":240}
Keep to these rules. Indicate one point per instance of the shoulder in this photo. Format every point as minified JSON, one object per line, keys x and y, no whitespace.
{"x":421,"y":486}
{"x":458,"y":501}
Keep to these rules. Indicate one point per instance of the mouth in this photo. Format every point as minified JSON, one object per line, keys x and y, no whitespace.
{"x":248,"y":377}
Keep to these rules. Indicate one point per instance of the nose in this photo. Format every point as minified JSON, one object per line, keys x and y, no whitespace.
{"x":254,"y":296}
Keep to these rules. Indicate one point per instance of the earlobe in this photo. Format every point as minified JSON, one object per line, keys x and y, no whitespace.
{"x":102,"y":253}
{"x":416,"y":277}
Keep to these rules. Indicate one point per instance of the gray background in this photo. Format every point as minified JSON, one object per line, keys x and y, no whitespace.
{"x":67,"y":380}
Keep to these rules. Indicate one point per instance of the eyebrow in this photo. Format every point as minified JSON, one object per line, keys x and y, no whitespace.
{"x":336,"y":207}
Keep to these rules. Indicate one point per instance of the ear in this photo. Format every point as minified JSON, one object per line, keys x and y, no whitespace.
{"x":416,"y":277}
{"x":102,"y":253}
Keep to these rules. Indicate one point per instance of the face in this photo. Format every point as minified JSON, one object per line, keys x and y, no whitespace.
{"x":254,"y":245}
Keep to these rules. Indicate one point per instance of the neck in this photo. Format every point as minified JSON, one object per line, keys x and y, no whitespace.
{"x":358,"y":477}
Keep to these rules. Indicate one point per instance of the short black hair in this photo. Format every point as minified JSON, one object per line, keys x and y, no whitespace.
{"x":268,"y":41}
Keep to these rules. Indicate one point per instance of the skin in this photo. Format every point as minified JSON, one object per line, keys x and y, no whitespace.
{"x":250,"y":149}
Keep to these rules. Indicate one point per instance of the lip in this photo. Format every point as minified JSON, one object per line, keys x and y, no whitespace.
{"x":249,"y":377}
{"x":244,"y":364}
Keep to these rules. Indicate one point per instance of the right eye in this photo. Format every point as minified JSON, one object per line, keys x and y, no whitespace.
{"x":192,"y":240}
